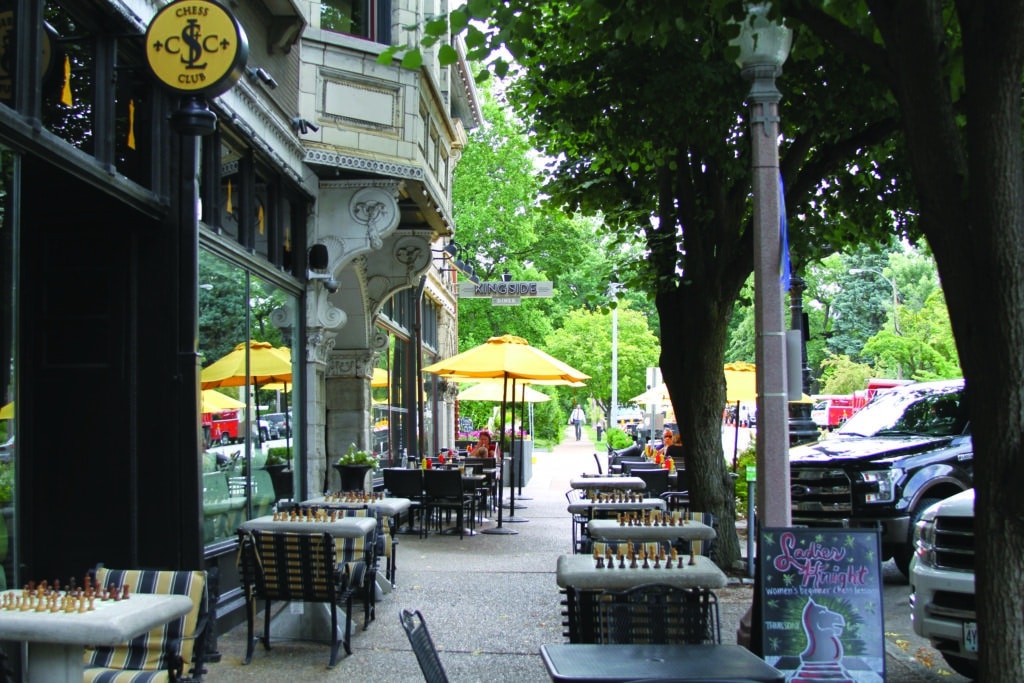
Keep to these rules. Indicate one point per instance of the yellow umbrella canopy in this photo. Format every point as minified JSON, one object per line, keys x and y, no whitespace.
{"x":491,"y":391}
{"x":7,"y":412}
{"x":266,"y":364}
{"x":214,"y":401}
{"x":740,"y":382}
{"x":658,"y":394}
{"x":380,"y":378}
{"x":506,"y":356}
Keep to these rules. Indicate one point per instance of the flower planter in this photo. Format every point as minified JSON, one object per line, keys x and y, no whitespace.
{"x":353,"y":477}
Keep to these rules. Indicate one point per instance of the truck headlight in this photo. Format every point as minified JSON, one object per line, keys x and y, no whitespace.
{"x":924,"y":541}
{"x":881,"y":485}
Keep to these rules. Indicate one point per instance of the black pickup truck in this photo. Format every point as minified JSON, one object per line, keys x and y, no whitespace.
{"x":910,"y":447}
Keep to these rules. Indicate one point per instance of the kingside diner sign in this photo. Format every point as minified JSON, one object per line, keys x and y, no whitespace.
{"x":505,"y":293}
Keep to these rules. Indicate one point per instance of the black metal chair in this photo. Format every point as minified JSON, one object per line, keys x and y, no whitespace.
{"x":656,"y":479}
{"x":423,"y":646}
{"x":658,"y":614}
{"x":407,"y":483}
{"x":443,"y":492}
{"x":598,"y":461}
{"x":580,"y":533}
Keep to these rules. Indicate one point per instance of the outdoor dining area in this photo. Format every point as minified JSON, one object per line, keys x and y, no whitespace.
{"x":638,"y":588}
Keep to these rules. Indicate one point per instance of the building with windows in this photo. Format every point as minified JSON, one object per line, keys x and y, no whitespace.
{"x":136,"y":249}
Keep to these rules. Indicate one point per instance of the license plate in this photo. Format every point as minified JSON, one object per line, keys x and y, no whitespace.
{"x":970,"y":636}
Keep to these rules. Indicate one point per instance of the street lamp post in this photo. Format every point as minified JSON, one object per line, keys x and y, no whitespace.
{"x":895,"y":303}
{"x":764,"y":46}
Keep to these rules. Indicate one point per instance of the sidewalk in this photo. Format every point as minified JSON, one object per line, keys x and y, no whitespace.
{"x":490,"y":601}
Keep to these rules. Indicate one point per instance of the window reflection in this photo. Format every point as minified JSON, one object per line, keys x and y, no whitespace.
{"x":248,"y":421}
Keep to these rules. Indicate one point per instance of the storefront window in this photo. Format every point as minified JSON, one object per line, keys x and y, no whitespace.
{"x":248,"y":418}
{"x":8,"y":425}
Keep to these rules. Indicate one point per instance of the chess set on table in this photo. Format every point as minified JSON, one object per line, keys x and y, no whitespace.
{"x":353,"y":497}
{"x":46,"y":597}
{"x":615,"y":497}
{"x":651,"y":518}
{"x":632,"y":559}
{"x":308,"y":515}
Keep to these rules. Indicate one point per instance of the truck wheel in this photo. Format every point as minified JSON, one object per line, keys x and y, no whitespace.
{"x":903,"y":556}
{"x":225,"y":439}
{"x":965,"y":667}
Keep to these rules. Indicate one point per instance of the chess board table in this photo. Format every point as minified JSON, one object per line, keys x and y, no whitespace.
{"x":608,"y":663}
{"x":581,"y":573}
{"x":56,"y":640}
{"x":611,"y":530}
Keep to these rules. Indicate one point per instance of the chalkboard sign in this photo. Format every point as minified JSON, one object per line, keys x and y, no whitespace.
{"x":821,"y":598}
{"x":465,"y":424}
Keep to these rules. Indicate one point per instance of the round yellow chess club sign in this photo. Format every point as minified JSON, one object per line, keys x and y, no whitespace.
{"x":196,"y":47}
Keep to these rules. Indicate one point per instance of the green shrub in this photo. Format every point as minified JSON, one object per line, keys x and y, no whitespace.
{"x":617,"y":438}
{"x":6,"y":482}
{"x":748,"y":456}
{"x":279,"y":455}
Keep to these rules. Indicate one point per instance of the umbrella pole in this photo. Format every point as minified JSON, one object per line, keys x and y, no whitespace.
{"x":515,"y":472}
{"x":522,"y":467}
{"x":736,"y":438}
{"x":500,"y":473}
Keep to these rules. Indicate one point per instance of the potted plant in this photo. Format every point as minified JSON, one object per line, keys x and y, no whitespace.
{"x":279,"y":465}
{"x":353,"y":466}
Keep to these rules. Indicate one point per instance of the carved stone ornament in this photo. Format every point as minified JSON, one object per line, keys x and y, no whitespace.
{"x":377,"y":209}
{"x":351,"y":363}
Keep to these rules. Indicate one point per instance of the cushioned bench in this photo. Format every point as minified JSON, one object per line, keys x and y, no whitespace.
{"x":173,"y":652}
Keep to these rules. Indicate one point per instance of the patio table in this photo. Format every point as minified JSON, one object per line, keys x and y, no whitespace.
{"x":612,"y":663}
{"x":56,"y":640}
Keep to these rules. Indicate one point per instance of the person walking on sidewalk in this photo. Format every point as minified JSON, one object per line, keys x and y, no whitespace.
{"x":576,"y":419}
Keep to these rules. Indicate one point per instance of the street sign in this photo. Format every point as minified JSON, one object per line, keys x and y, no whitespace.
{"x":508,"y":293}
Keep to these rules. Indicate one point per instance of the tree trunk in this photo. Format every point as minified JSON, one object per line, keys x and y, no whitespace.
{"x":971,"y":187}
{"x":695,"y":377}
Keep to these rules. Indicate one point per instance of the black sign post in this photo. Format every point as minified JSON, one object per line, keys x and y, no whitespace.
{"x":821,"y":598}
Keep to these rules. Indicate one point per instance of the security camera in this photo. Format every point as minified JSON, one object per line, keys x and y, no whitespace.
{"x":330,"y":284}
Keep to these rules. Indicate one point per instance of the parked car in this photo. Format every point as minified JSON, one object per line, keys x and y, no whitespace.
{"x":278,"y":427}
{"x":942,"y":582}
{"x":908,"y":448}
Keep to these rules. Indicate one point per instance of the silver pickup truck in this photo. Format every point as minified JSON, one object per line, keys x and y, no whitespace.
{"x":942,"y":581}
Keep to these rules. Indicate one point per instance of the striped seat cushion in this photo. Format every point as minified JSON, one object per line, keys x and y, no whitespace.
{"x":149,"y":657}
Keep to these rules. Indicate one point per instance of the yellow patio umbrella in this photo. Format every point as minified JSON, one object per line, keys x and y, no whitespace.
{"x":7,"y":412}
{"x":654,"y":395}
{"x":380,"y":378}
{"x":214,"y":401}
{"x":257,"y":363}
{"x":740,"y":382}
{"x":491,"y":391}
{"x":266,"y":364}
{"x":507,"y":357}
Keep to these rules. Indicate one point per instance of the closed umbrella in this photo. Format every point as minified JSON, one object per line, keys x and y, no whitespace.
{"x":507,"y":357}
